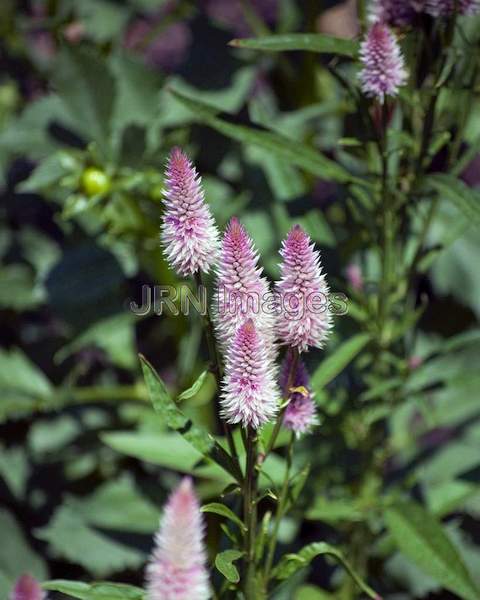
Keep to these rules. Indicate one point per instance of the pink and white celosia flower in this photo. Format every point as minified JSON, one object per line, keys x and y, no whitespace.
{"x":27,"y":588}
{"x":188,"y":233}
{"x":304,"y":317}
{"x":250,"y":394}
{"x":241,"y":289}
{"x":446,"y":8}
{"x":300,"y":415}
{"x":383,"y":71}
{"x":177,"y":568}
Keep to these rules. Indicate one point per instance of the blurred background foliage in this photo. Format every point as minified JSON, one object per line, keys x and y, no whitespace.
{"x":93,"y":95}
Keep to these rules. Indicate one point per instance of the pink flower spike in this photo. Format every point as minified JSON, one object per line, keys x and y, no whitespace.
{"x":300,"y":415}
{"x":304,"y":318}
{"x":240,"y":289}
{"x":383,"y":71}
{"x":250,"y":395}
{"x":177,"y":568}
{"x":27,"y":588}
{"x":447,"y":8}
{"x":188,"y":232}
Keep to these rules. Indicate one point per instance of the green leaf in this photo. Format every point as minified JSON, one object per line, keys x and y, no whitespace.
{"x":334,"y":364}
{"x":16,"y":556}
{"x":311,"y":592}
{"x":421,"y":538}
{"x":168,"y":450}
{"x":114,"y":335}
{"x":23,"y":386}
{"x":223,"y":562}
{"x":138,"y":88}
{"x":87,"y":89}
{"x":95,"y":591}
{"x":200,"y":439}
{"x":47,"y":173}
{"x":17,"y":288}
{"x":102,"y":19}
{"x":291,"y":563}
{"x":195,"y":388}
{"x":464,"y":198}
{"x":71,"y":538}
{"x":294,"y":152}
{"x":312,"y":42}
{"x":174,"y":418}
{"x":297,"y":484}
{"x":14,"y":469}
{"x":334,"y":510}
{"x":220,"y":509}
{"x":118,"y":505}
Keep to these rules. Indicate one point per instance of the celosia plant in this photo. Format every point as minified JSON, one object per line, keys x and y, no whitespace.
{"x":289,"y":415}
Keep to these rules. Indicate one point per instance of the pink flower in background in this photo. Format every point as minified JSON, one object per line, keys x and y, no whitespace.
{"x":354,"y":277}
{"x":177,"y":567}
{"x":27,"y":588}
{"x":471,"y":175}
{"x":230,"y":13}
{"x":167,"y":49}
{"x":444,"y":8}
{"x":240,"y":286}
{"x":414,"y":362}
{"x":300,"y":415}
{"x":304,"y":317}
{"x":250,"y":395}
{"x":188,"y":232}
{"x":393,"y":12}
{"x":383,"y":71}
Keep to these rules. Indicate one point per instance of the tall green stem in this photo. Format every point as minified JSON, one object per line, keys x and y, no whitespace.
{"x":250,"y":515}
{"x":281,"y":507}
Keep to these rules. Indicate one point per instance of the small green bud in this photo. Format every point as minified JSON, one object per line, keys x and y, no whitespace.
{"x":95,"y":182}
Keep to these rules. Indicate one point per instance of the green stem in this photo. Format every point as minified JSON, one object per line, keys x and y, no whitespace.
{"x":281,"y":506}
{"x":387,"y":224}
{"x":250,"y":515}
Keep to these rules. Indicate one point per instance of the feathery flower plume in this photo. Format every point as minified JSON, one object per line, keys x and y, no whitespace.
{"x":383,"y":69}
{"x":240,"y":286}
{"x":397,"y":13}
{"x":445,"y":8}
{"x":188,"y":232}
{"x":304,"y":318}
{"x":177,"y":568}
{"x":250,"y":394}
{"x":300,"y":415}
{"x":27,"y":588}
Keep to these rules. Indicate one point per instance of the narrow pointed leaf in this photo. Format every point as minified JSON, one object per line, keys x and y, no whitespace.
{"x":334,"y":364}
{"x":464,"y":198}
{"x":422,"y":539}
{"x":291,"y":563}
{"x":224,"y":511}
{"x":95,"y":591}
{"x":200,"y":439}
{"x":311,"y":42}
{"x":296,"y":153}
{"x":195,"y":388}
